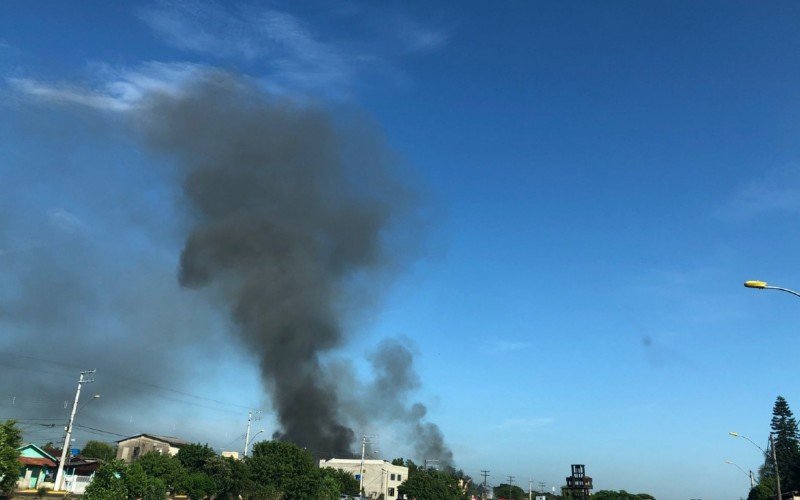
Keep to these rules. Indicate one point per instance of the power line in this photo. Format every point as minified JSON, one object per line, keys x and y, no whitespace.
{"x":123,"y":377}
{"x":86,"y":427}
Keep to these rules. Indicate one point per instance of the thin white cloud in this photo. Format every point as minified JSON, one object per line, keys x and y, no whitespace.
{"x":292,"y":53}
{"x":66,"y":221}
{"x":67,"y":94}
{"x":120,"y":90}
{"x":417,"y":37}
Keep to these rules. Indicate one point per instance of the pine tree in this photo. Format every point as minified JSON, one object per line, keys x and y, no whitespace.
{"x":787,"y":445}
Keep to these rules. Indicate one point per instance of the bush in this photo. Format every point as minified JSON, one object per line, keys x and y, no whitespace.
{"x":41,"y":492}
{"x":156,"y":489}
{"x":197,"y":485}
{"x":285,"y":467}
{"x":163,"y":467}
{"x":193,"y":457}
{"x":108,"y":483}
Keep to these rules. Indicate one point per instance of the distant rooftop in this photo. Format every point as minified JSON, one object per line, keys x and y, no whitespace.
{"x":167,"y":439}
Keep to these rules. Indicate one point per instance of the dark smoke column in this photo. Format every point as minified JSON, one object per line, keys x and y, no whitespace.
{"x":286,"y":221}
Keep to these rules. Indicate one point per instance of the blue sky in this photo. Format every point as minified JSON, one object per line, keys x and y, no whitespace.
{"x":599,"y":179}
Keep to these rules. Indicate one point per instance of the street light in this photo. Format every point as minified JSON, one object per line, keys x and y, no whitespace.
{"x":81,"y":407}
{"x":774,"y":457}
{"x":762,"y":285}
{"x":253,"y":439}
{"x":748,"y":474}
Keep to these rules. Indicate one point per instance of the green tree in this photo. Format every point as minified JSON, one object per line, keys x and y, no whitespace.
{"x":10,"y":441}
{"x":346,"y":482}
{"x":198,"y":485}
{"x":761,"y":492}
{"x":231,"y":477}
{"x":156,"y":489}
{"x":107,"y":483}
{"x":285,"y":467}
{"x":430,"y":484}
{"x":620,"y":495}
{"x":141,"y":486}
{"x":787,"y":444}
{"x":511,"y":491}
{"x":193,"y":457}
{"x":412,"y":467}
{"x":329,"y":487}
{"x":240,"y":483}
{"x":135,"y":480}
{"x":164,"y":467}
{"x":99,"y":449}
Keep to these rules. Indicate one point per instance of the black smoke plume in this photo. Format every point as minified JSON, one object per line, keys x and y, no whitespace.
{"x":289,"y":221}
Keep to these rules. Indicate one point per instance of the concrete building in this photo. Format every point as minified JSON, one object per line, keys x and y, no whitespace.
{"x":380,"y":476}
{"x":129,"y":449}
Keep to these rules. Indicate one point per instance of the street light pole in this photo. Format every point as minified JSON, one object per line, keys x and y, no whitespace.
{"x":775,"y":461}
{"x":251,"y":415}
{"x":774,"y":458}
{"x":748,"y":474}
{"x":60,"y":472}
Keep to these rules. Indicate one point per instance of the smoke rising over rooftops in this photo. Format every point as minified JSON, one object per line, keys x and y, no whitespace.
{"x":292,"y":213}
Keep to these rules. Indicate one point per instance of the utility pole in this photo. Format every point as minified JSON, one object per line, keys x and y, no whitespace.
{"x":485,"y":474}
{"x":68,"y":429}
{"x":510,"y":486}
{"x":752,"y":480}
{"x":775,"y":462}
{"x":364,"y":441}
{"x":530,"y":489}
{"x":541,"y":486}
{"x":250,"y":417}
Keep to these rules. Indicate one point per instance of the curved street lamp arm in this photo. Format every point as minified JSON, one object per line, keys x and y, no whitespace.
{"x":753,"y":443}
{"x":782,"y":290}
{"x":737,"y":466}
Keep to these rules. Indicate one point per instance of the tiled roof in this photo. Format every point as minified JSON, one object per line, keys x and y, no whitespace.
{"x":37,"y":461}
{"x":169,"y":439}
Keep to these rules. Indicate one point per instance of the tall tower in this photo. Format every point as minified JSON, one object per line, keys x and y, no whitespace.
{"x":578,"y":484}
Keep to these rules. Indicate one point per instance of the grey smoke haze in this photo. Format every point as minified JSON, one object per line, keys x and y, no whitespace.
{"x":290,"y":223}
{"x":295,"y":219}
{"x":67,"y":295}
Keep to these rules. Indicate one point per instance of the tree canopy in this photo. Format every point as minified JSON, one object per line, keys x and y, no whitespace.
{"x":10,"y":441}
{"x":620,"y":495}
{"x":787,"y":449}
{"x":431,"y":484}
{"x":193,"y":457}
{"x":509,"y":491}
{"x":285,"y":467}
{"x":99,"y":449}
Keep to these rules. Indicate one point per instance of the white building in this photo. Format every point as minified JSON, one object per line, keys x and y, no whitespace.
{"x":380,"y":476}
{"x":129,"y":449}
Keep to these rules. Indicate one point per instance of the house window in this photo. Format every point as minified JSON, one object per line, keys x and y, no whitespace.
{"x":399,"y":477}
{"x":136,"y":451}
{"x":392,"y":477}
{"x":391,"y":492}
